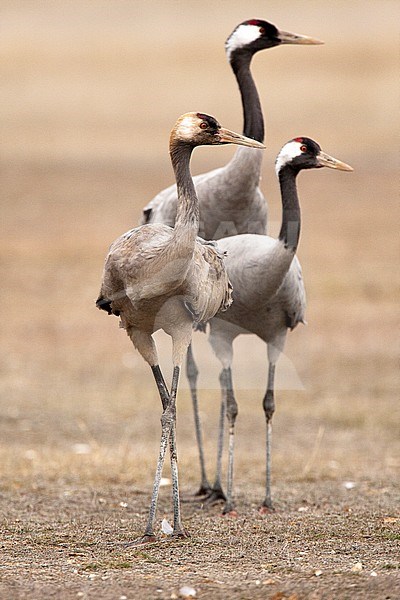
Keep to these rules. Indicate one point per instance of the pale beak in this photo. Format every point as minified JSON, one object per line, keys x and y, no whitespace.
{"x":324,"y":160}
{"x":295,"y":38}
{"x":225,"y":136}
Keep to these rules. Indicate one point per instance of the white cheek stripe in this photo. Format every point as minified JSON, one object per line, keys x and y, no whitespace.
{"x":243,"y":35}
{"x":288,"y":153}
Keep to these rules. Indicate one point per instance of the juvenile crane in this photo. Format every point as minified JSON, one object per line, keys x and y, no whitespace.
{"x":230,"y":198}
{"x":269,"y":295}
{"x":158,"y":277}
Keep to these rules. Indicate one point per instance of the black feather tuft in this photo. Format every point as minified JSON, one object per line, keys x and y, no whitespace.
{"x":146,"y":215}
{"x":105,"y":304}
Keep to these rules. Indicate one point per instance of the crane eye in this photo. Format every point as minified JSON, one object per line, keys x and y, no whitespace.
{"x":303,"y":148}
{"x":203,"y":125}
{"x":262,"y":30}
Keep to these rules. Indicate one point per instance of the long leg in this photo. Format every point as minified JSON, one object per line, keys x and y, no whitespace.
{"x":217,"y":491}
{"x":231,"y":413}
{"x":171,"y":399}
{"x":178,"y":529}
{"x":166,"y":423}
{"x":274,"y":350}
{"x":221,"y":339}
{"x":192,"y":374}
{"x":181,"y":338}
{"x":162,"y":387}
{"x":145,"y":344}
{"x":269,"y":409}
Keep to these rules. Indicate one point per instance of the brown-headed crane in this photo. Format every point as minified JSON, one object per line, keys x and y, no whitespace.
{"x":158,"y":277}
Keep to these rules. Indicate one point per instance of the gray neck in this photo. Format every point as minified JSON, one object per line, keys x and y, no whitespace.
{"x":242,"y":173}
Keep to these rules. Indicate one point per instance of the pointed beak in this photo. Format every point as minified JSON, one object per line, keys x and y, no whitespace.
{"x":295,"y":38}
{"x":324,"y":160}
{"x":225,"y":136}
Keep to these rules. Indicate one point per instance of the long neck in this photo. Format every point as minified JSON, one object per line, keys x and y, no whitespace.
{"x":253,"y":126}
{"x":187,"y":216}
{"x":290,"y":228}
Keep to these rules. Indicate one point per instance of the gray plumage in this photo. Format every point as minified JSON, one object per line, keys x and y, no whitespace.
{"x":230,"y":198}
{"x":158,"y":277}
{"x":269,"y":290}
{"x":268,"y":299}
{"x":151,"y":264}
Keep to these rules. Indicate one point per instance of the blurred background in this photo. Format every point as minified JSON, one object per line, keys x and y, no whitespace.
{"x":90,"y":91}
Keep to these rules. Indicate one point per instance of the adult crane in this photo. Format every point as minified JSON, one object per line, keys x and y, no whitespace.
{"x":269,"y":296}
{"x":230,"y":199}
{"x":156,"y":277}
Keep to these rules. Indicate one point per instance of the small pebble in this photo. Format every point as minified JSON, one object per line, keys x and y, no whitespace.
{"x":187,"y":592}
{"x":349,"y":485}
{"x":318,"y":573}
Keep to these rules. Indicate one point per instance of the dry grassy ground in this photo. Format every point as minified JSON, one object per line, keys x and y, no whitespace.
{"x":85,"y":116}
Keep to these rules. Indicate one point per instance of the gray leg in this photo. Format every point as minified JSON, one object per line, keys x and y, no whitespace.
{"x":178,"y":529}
{"x":231,"y":413}
{"x":217,"y":492}
{"x":166,"y":424}
{"x":165,"y":398}
{"x":269,"y":409}
{"x":192,"y":373}
{"x":221,"y":339}
{"x":162,"y":387}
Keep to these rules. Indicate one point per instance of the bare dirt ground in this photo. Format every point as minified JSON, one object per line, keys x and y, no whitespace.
{"x":84,"y":126}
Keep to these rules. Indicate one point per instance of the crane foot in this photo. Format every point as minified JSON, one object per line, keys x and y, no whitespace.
{"x":266,"y":510}
{"x":233,"y":513}
{"x":142,"y":541}
{"x":182,"y":534}
{"x":216,"y":495}
{"x":202,"y":494}
{"x":204,"y":490}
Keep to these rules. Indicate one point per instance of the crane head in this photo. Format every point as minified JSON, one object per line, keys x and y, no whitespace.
{"x":198,"y":129}
{"x":254,"y":35}
{"x":303,"y":153}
